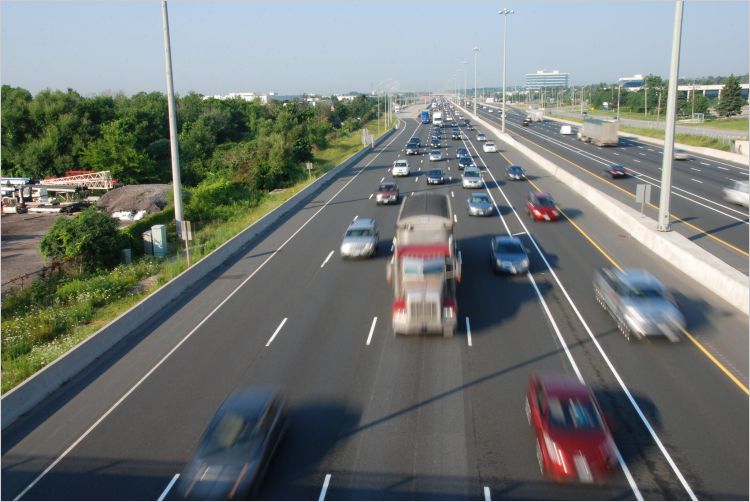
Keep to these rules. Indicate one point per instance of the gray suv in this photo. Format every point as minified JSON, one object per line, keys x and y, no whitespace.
{"x":360,"y":239}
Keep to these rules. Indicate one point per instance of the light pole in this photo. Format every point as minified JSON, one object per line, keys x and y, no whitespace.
{"x":505,"y":13}
{"x":662,"y":222}
{"x":475,"y":50}
{"x":619,"y":86}
{"x":465,"y":63}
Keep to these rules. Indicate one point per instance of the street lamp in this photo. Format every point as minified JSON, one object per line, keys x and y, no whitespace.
{"x":475,"y":50}
{"x":465,"y":63}
{"x":619,"y":86}
{"x":505,"y":13}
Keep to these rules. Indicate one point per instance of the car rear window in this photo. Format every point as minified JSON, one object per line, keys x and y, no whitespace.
{"x":480,"y":199}
{"x":573,"y":413}
{"x":509,"y":248}
{"x":545,"y":202}
{"x":359,"y":232}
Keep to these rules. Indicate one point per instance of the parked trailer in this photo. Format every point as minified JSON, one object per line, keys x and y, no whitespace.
{"x":599,"y":132}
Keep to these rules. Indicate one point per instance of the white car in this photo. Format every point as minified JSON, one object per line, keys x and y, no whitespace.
{"x":436,"y":155}
{"x":738,"y":194}
{"x":489,"y":147}
{"x":566,"y":129}
{"x":471,"y":178}
{"x":481,"y":137}
{"x":681,"y":155}
{"x":400,"y":168}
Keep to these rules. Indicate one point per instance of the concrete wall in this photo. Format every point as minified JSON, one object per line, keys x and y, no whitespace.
{"x":34,"y":390}
{"x":698,"y":264}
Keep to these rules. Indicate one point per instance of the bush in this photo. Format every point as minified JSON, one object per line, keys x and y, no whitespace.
{"x":90,"y":239}
{"x":133,"y":233}
{"x":218,"y":199}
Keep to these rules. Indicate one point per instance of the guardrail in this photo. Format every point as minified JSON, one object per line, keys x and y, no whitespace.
{"x":726,"y":282}
{"x":34,"y":390}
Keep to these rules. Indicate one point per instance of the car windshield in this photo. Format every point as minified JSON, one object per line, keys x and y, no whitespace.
{"x":480,"y":199}
{"x":573,"y":413}
{"x":545,"y":202}
{"x":471,"y":174}
{"x":435,"y":152}
{"x":490,"y":143}
{"x":462,"y":151}
{"x":359,"y":232}
{"x":232,"y":430}
{"x":387,"y":187}
{"x":400,"y":164}
{"x":505,"y":247}
{"x":515,"y":169}
{"x":644,"y":293}
{"x":616,"y":168}
{"x":416,"y":268}
{"x":464,"y":160}
{"x":435,"y":173}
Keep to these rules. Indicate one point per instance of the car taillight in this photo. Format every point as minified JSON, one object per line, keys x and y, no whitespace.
{"x":449,"y":309}
{"x":536,"y":212}
{"x":555,"y":453}
{"x":399,"y":307}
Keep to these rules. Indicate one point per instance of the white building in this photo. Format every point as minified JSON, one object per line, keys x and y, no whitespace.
{"x":247,"y":96}
{"x":546,"y":78}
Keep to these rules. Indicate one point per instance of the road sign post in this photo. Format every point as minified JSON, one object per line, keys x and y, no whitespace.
{"x":643,"y":195}
{"x":309,"y":166}
{"x":186,"y":234}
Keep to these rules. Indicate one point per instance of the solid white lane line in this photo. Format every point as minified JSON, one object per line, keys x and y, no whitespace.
{"x":468,"y":331}
{"x":169,"y":487}
{"x":372,"y":330}
{"x":323,"y":490}
{"x":197,"y":327}
{"x":697,"y":181}
{"x":327,"y":258}
{"x":487,"y":496}
{"x":276,"y":332}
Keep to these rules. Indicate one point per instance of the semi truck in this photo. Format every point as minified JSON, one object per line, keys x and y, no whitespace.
{"x":599,"y":132}
{"x":425,"y":267}
{"x":536,"y":115}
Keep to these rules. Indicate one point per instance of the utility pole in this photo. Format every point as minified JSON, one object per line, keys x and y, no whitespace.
{"x":662,"y":224}
{"x":175,"y":154}
{"x":645,"y":102}
{"x":505,"y":13}
{"x":476,"y":52}
{"x":618,"y":101}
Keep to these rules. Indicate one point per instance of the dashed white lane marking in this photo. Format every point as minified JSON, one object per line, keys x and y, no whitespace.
{"x":487,"y":496}
{"x":636,"y":160}
{"x":389,"y":170}
{"x":695,"y":169}
{"x":641,"y":154}
{"x":355,"y":218}
{"x":468,"y":331}
{"x":650,"y":149}
{"x":276,"y":332}
{"x":705,"y":164}
{"x":452,"y":194}
{"x":323,"y":490}
{"x":370,"y":197}
{"x":382,"y":179}
{"x":615,"y":153}
{"x":169,"y":487}
{"x":327,"y":258}
{"x":697,"y":181}
{"x":372,"y":329}
{"x":640,"y":147}
{"x":455,"y":218}
{"x":722,"y":168}
{"x":419,"y":169}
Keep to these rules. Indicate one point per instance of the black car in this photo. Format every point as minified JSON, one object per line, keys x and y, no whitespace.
{"x":434,"y":142}
{"x":236,"y":448}
{"x":514,"y":173}
{"x":412,"y":149}
{"x":435,"y":177}
{"x":525,"y":122}
{"x":467,"y":122}
{"x":455,"y":134}
{"x":465,"y":162}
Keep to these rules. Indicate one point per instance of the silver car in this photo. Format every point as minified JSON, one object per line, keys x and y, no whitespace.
{"x":471,"y":178}
{"x":360,"y":239}
{"x":508,"y":255}
{"x":436,"y":155}
{"x":639,"y":303}
{"x":481,"y":137}
{"x":480,"y":204}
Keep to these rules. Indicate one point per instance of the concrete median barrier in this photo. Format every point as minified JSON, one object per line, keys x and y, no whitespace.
{"x":35,"y":389}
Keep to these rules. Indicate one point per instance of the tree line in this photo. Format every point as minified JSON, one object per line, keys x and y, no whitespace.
{"x":260,"y":146}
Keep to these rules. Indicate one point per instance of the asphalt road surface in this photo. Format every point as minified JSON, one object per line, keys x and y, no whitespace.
{"x":373,"y":416}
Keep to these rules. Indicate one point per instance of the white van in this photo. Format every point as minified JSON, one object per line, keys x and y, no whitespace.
{"x":739,"y":193}
{"x":566,"y":129}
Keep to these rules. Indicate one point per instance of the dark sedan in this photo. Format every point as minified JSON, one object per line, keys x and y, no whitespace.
{"x":514,"y":173}
{"x":435,"y":177}
{"x":236,"y":448}
{"x":465,"y":162}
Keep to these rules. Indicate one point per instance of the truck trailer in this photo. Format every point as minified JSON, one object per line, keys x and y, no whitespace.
{"x":425,"y":267}
{"x":599,"y":132}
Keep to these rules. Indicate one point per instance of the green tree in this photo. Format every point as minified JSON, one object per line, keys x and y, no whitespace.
{"x":731,"y":101}
{"x":90,"y":239}
{"x":116,"y":152}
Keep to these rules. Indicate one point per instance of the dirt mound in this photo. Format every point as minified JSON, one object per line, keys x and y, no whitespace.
{"x":151,"y":198}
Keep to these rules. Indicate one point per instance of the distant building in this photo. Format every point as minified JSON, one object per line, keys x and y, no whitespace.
{"x":546,"y":78}
{"x":251,"y":96}
{"x":634,"y":83}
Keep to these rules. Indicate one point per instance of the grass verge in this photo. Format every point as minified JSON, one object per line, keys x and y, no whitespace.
{"x":45,"y":320}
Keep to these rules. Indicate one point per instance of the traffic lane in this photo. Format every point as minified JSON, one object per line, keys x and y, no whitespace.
{"x":675,"y":405}
{"x":714,"y":223}
{"x":99,"y":397}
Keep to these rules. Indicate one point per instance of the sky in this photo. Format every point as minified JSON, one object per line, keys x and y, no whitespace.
{"x":292,"y":47}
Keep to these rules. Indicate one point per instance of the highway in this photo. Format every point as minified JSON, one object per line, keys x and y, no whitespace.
{"x":697,"y":204}
{"x":373,"y":416}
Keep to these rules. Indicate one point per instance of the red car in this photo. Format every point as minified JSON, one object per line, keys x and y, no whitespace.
{"x":573,"y":442}
{"x":387,"y":193}
{"x":541,"y":206}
